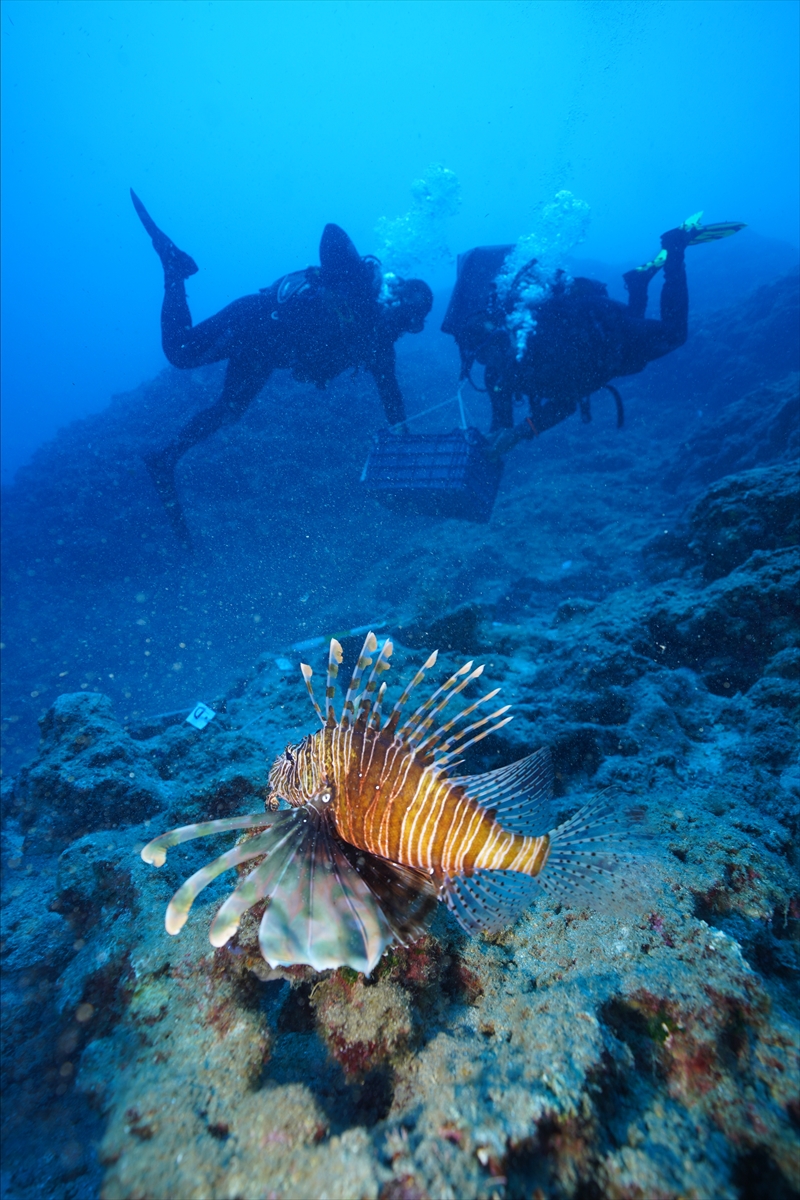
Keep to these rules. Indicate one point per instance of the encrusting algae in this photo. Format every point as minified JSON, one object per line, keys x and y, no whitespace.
{"x":380,"y":828}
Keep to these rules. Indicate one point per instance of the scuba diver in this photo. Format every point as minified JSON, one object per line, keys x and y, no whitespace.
{"x":315,"y":323}
{"x":555,"y":340}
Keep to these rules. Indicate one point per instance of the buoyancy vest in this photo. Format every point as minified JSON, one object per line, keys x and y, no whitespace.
{"x":325,"y":329}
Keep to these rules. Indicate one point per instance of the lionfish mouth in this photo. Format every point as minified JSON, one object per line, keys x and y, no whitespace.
{"x":329,"y":902}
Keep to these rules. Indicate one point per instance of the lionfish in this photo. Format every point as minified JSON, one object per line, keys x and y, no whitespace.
{"x":380,"y":828}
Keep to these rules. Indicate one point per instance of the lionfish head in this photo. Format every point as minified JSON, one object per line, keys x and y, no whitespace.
{"x":296,"y":776}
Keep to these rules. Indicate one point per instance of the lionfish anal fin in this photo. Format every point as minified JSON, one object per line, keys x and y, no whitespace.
{"x":488,"y":901}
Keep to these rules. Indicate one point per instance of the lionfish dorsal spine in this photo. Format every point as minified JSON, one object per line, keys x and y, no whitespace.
{"x":433,"y":741}
{"x":334,"y":662}
{"x":375,"y":716}
{"x":460,"y":734}
{"x":364,"y":661}
{"x":460,"y":748}
{"x":365,"y":700}
{"x":423,"y":726}
{"x":410,"y":728}
{"x":394,"y":716}
{"x":307,"y":673}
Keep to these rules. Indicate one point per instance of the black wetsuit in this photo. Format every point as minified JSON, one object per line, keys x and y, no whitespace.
{"x":315,"y":323}
{"x":582,"y":339}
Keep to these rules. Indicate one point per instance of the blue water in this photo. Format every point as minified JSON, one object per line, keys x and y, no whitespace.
{"x":246,"y":127}
{"x":423,"y":129}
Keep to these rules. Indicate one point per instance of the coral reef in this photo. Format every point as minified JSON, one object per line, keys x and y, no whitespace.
{"x":648,"y":634}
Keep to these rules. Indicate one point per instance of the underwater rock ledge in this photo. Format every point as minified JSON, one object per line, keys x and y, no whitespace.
{"x":572,"y":1056}
{"x":656,"y":1055}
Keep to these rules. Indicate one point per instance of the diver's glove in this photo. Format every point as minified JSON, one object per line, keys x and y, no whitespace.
{"x":506,"y":439}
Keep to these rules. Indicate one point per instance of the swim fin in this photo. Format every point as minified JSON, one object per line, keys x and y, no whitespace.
{"x":648,"y":269}
{"x":692,"y":223}
{"x":341,"y":266}
{"x":506,"y":439}
{"x":161,"y":468}
{"x":174,"y":261}
{"x":713,"y":233}
{"x":144,"y":216}
{"x":692,"y":233}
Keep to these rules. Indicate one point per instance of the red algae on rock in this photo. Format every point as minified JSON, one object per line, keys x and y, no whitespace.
{"x":363,"y":1024}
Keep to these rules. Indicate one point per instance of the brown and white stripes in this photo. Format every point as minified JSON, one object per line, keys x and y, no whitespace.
{"x":394,"y":802}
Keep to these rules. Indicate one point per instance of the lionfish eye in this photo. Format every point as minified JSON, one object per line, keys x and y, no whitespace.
{"x":289,"y":755}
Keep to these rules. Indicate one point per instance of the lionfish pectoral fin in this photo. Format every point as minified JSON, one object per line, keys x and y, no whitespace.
{"x":279,"y":845}
{"x":520,"y":795}
{"x":488,"y":901}
{"x":407,"y":896}
{"x":178,"y":907}
{"x":596,"y":862}
{"x":155,"y":852}
{"x":322,"y":913}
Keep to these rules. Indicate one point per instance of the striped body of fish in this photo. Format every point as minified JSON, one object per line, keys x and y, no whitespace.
{"x":380,"y":828}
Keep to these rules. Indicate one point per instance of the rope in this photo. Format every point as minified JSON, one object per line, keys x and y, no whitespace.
{"x":460,"y":399}
{"x":457,"y":399}
{"x":424,"y":413}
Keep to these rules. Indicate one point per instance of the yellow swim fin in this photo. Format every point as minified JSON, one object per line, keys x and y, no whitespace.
{"x":654,"y":265}
{"x":692,"y":223}
{"x":698,"y":233}
{"x":713,"y":233}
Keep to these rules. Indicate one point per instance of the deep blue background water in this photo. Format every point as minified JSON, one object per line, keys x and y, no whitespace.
{"x":245,"y":127}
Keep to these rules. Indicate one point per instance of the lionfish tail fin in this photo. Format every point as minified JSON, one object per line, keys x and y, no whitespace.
{"x":594,"y":862}
{"x":307,"y":673}
{"x":334,"y":662}
{"x":364,"y":661}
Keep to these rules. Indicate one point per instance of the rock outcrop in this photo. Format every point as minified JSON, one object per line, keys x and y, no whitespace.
{"x":651,"y":638}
